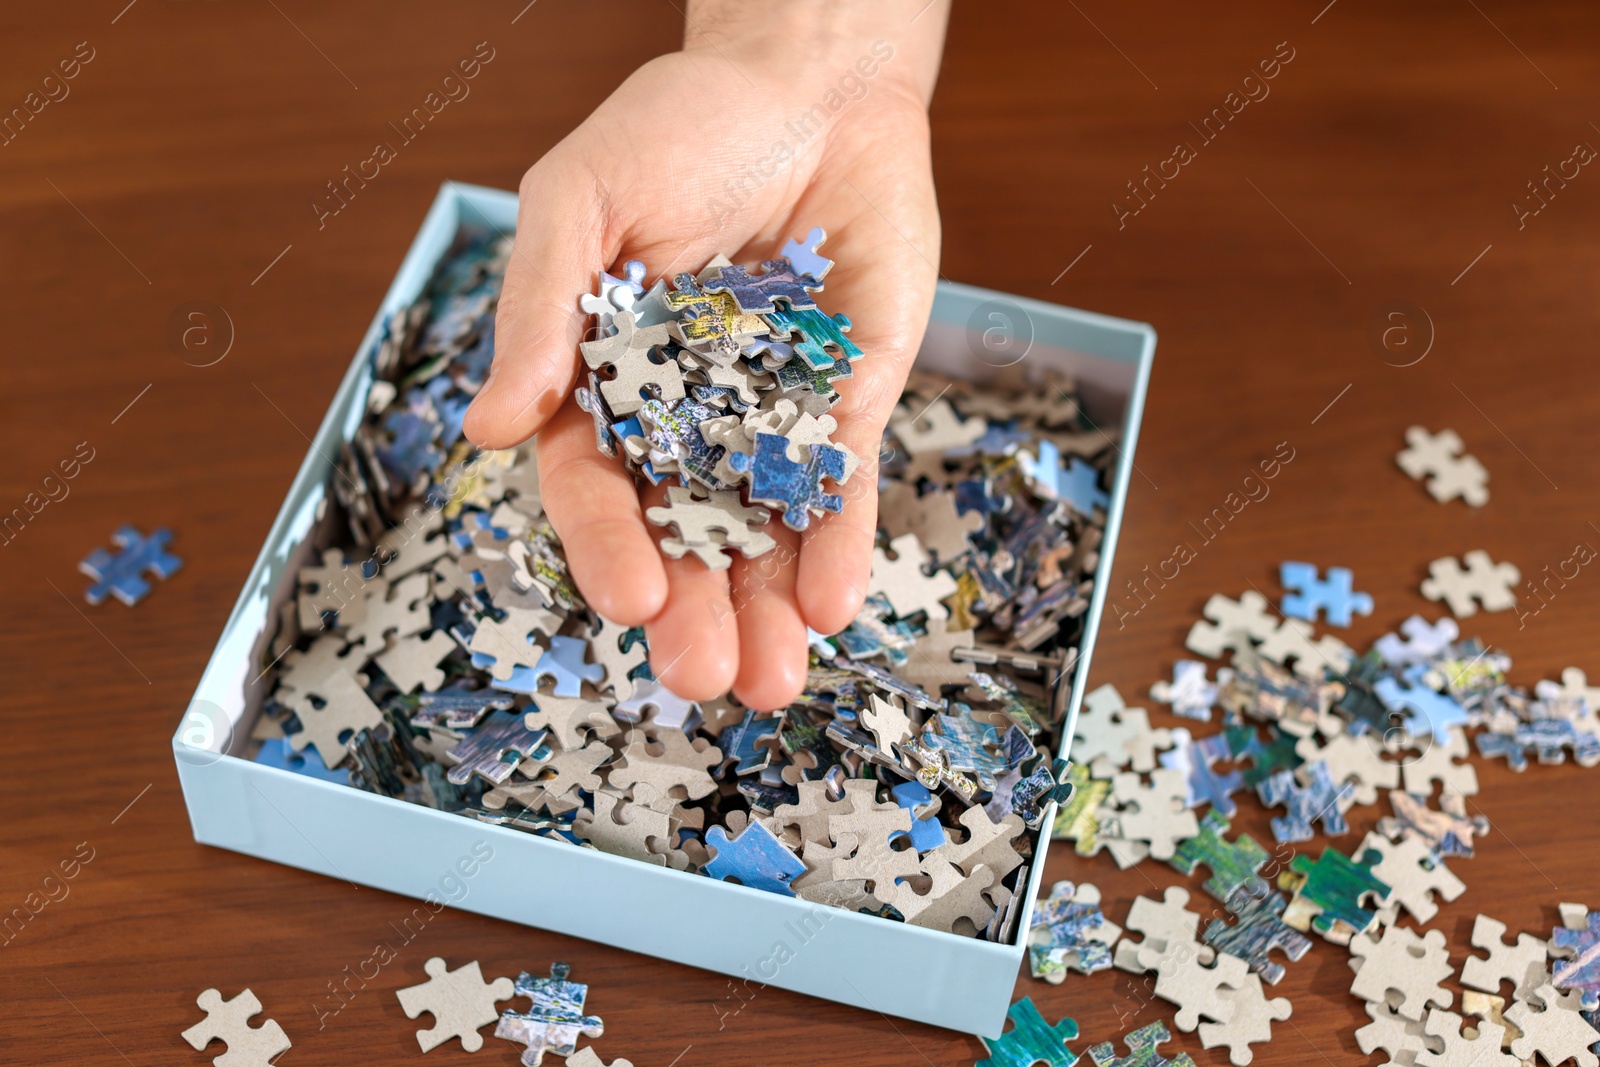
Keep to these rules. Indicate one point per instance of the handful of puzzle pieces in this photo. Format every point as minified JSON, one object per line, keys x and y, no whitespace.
{"x":722,"y":383}
{"x":1311,"y":728}
{"x":437,"y":650}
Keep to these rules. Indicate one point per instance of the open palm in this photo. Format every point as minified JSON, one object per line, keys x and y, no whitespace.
{"x":698,"y":153}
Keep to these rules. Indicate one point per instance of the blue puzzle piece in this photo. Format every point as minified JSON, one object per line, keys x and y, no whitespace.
{"x":926,"y":832}
{"x":412,"y":452}
{"x":972,"y":747}
{"x":494,"y":748}
{"x":755,"y":858}
{"x":452,"y":408}
{"x":1064,"y":926}
{"x":820,"y":335}
{"x":1078,"y":483}
{"x":1333,"y":595}
{"x":1194,"y":760}
{"x":750,"y":741}
{"x":122,"y":574}
{"x":1318,"y":801}
{"x":1259,"y":928}
{"x":563,"y":662}
{"x":275,"y":752}
{"x":756,"y":292}
{"x":1421,"y":703}
{"x":554,"y":1021}
{"x":795,"y":487}
{"x":803,"y":254}
{"x":1031,"y":1040}
{"x":1582,"y":971}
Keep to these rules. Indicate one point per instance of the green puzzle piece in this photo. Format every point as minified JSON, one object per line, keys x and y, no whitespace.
{"x":1030,"y":1040}
{"x":1336,"y":885}
{"x":1233,"y":863}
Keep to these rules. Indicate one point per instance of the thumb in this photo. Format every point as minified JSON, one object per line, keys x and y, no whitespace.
{"x":559,"y":245}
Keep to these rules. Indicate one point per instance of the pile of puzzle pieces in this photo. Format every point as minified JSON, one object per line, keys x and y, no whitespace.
{"x":1310,"y":727}
{"x":434,"y":647}
{"x":720,"y":386}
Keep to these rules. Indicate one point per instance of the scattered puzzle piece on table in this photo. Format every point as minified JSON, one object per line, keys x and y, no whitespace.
{"x":1189,"y":693}
{"x":1450,"y":471}
{"x":1412,"y":966}
{"x":1319,"y":799}
{"x":1448,"y":829}
{"x":1199,"y":991}
{"x":1413,"y":871}
{"x":1232,"y":624}
{"x":229,"y":1021}
{"x":1166,"y":925}
{"x":1402,"y":1038}
{"x":1194,"y":761}
{"x":1521,"y":963}
{"x":1334,"y":596}
{"x":1582,"y":970}
{"x":460,"y":1001}
{"x":1422,"y":705}
{"x":1353,"y":762}
{"x":1423,"y":640}
{"x":1258,"y":928}
{"x":555,"y":1020}
{"x":1482,"y":1049}
{"x":1153,"y":813}
{"x":1446,"y":764}
{"x":1142,"y":1052}
{"x":1481,"y":581}
{"x":1331,"y":898}
{"x":1030,"y":1040}
{"x":1233,"y":864}
{"x":122,"y":574}
{"x":1557,"y":1033}
{"x":1251,"y":1022}
{"x":587,"y":1057}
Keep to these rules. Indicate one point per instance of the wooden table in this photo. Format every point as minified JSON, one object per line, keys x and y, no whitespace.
{"x":1384,"y":166}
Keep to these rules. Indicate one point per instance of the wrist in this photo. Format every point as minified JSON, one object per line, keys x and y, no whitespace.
{"x":899,"y":41}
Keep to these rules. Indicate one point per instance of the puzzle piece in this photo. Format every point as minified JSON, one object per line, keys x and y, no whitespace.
{"x":1582,"y":970}
{"x":755,"y":859}
{"x":1233,"y":624}
{"x":1030,"y":1040}
{"x":494,"y":748}
{"x":796,"y":488}
{"x":803,"y":256}
{"x":755,"y":293}
{"x":936,"y":428}
{"x":623,"y":828}
{"x":1411,"y":869}
{"x":1193,"y":760}
{"x":1412,"y":966}
{"x":1109,"y":735}
{"x":412,"y":451}
{"x":275,"y":752}
{"x":1438,"y":764}
{"x":1423,"y":641}
{"x":1482,"y":1049}
{"x":571,"y":721}
{"x":554,"y":1021}
{"x":905,"y":582}
{"x":330,"y":714}
{"x":229,"y":1021}
{"x":1167,"y":926}
{"x":1233,"y":864}
{"x":413,"y":663}
{"x":563,"y":663}
{"x":1077,"y":484}
{"x":711,"y":322}
{"x":1319,"y":799}
{"x":1450,"y":471}
{"x":817,"y":338}
{"x":1153,"y":813}
{"x":1522,"y":964}
{"x":1190,"y":693}
{"x":1558,"y":1033}
{"x":460,"y":1001}
{"x":619,"y":649}
{"x":680,"y":764}
{"x":1258,"y":928}
{"x":1331,"y":897}
{"x":1069,"y":931}
{"x":1482,"y":581}
{"x":1199,"y":991}
{"x":1334,"y":595}
{"x":926,"y":830}
{"x":1421,"y":703}
{"x":1402,"y":1038}
{"x":951,"y":896}
{"x":1449,"y":830}
{"x":1141,"y":1050}
{"x":1251,"y":1023}
{"x":1354,"y":763}
{"x":1077,"y":820}
{"x":748,"y":744}
{"x":122,"y":574}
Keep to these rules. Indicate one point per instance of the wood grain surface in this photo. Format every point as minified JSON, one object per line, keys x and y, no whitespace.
{"x":1383,"y":165}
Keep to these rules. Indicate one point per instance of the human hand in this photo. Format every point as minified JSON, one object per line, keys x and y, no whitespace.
{"x":773,"y":119}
